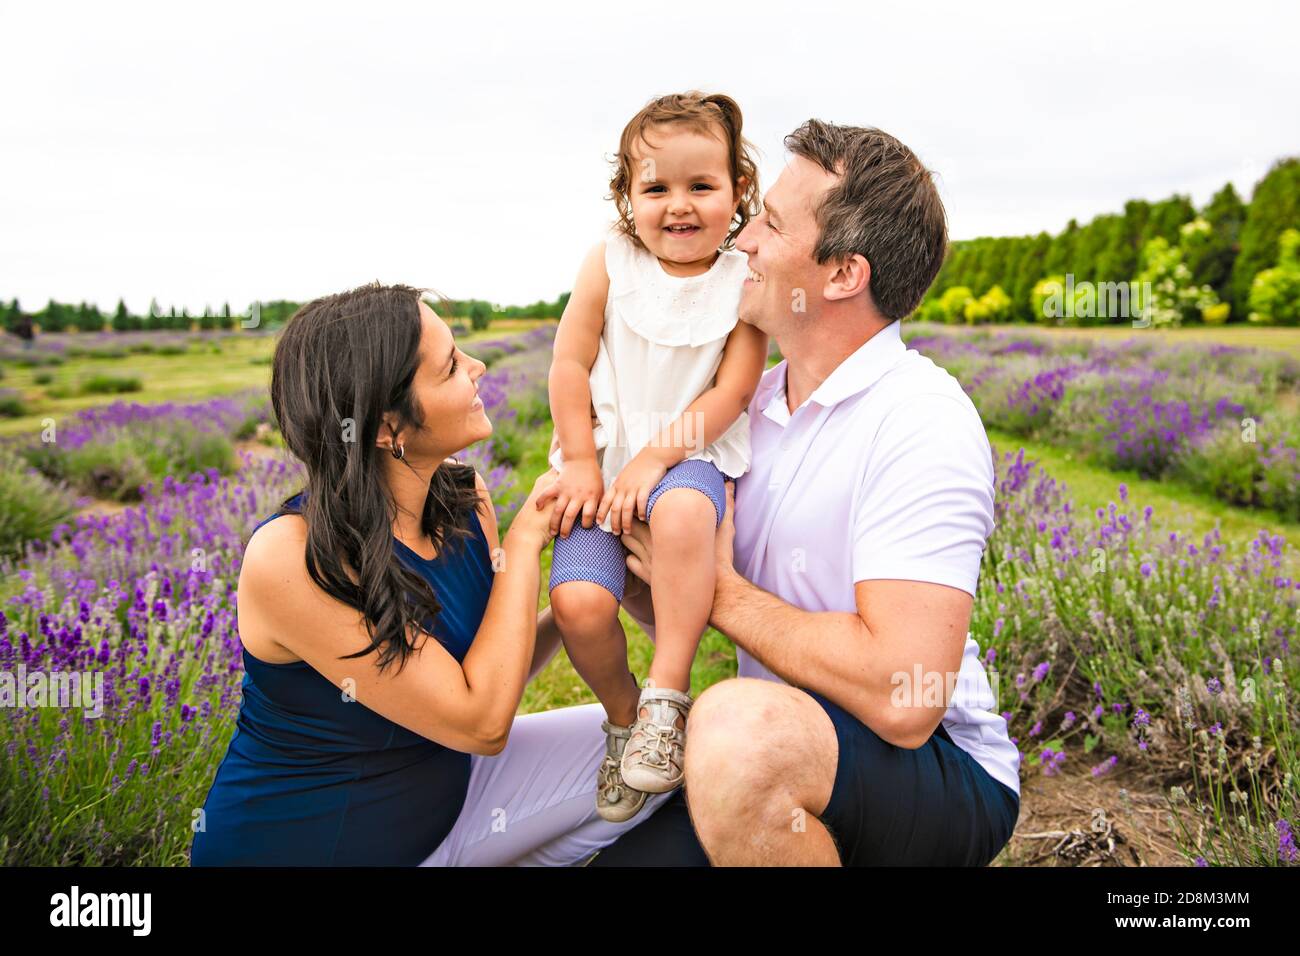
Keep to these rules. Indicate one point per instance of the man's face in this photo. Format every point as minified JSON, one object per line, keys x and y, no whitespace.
{"x":785,"y":284}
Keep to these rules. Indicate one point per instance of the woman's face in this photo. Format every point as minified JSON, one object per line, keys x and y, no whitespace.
{"x":445,"y":388}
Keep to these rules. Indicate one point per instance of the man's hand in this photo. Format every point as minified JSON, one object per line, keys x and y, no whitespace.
{"x":639,"y":547}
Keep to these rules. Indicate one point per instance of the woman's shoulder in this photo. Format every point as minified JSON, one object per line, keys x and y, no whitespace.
{"x":277,"y":538}
{"x":273,"y":574}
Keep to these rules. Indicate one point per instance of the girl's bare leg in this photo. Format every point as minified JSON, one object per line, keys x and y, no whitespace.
{"x":587,"y":617}
{"x":682,"y":527}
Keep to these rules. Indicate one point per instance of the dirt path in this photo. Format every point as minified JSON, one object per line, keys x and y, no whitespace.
{"x":1081,"y":820}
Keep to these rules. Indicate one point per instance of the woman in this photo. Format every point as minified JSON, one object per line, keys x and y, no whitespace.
{"x":361,"y":740}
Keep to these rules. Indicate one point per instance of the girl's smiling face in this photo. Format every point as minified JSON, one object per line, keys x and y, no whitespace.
{"x":683,"y":199}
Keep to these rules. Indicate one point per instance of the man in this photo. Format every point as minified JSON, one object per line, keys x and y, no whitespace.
{"x":859,"y":730}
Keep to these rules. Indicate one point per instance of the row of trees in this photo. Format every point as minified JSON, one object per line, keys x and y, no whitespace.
{"x":58,"y":317}
{"x":480,"y":312}
{"x":86,"y":317}
{"x":1192,"y":263}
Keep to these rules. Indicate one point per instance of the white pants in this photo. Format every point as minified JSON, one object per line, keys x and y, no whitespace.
{"x":534,"y":804}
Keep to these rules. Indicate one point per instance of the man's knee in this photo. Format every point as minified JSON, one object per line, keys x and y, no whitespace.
{"x":741,"y":714}
{"x":753,"y":744}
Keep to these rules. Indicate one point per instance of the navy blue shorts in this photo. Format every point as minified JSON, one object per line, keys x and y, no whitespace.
{"x":596,"y":555}
{"x":890,"y":806}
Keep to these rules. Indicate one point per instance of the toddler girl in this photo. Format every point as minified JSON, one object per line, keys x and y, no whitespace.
{"x":651,"y":377}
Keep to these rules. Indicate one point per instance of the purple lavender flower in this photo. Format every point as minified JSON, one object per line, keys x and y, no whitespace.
{"x":1286,"y":848}
{"x":1052,"y":761}
{"x":1106,"y":766}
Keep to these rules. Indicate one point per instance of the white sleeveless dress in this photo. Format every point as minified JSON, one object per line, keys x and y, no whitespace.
{"x":659,"y":351}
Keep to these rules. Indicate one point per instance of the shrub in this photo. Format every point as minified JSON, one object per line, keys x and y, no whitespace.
{"x":30,"y":505}
{"x":11,"y":404}
{"x":953,"y":303}
{"x":1217,"y":314}
{"x":1275,"y":293}
{"x":992,"y":306}
{"x":110,"y":384}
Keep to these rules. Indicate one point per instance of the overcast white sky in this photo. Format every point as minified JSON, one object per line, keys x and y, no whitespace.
{"x":237,"y":151}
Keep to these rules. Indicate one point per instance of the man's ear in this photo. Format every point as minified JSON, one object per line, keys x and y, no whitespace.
{"x":851,"y":277}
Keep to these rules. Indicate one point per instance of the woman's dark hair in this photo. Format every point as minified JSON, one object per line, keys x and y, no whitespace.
{"x":341,"y":362}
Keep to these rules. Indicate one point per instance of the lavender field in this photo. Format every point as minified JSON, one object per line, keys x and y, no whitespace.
{"x":1121,"y":648}
{"x":1218,"y":418}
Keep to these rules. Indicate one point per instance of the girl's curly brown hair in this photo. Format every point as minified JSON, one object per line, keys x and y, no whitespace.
{"x":706,"y":113}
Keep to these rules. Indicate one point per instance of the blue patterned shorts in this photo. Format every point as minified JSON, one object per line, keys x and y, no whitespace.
{"x":596,"y":555}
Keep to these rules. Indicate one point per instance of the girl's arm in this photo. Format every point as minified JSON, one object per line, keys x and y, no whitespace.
{"x":709,"y":416}
{"x":576,"y":343}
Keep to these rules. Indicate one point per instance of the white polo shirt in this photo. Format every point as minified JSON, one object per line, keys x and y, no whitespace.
{"x":884,"y":472}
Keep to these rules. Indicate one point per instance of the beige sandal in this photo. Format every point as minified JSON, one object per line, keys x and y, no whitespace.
{"x":655,"y":757}
{"x":615,"y":800}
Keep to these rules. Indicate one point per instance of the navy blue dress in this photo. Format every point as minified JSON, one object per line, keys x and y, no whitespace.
{"x":310,"y":779}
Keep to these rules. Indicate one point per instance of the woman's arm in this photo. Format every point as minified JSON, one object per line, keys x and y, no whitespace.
{"x":718,"y":407}
{"x":468,"y":707}
{"x":548,"y":635}
{"x":548,"y":642}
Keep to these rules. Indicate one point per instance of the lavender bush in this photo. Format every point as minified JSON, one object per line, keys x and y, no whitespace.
{"x":1121,"y":645}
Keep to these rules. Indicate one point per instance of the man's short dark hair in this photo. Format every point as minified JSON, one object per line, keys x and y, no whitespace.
{"x":884,"y":207}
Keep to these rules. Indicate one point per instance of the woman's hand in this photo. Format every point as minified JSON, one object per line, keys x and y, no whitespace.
{"x":577,"y":491}
{"x":641,"y":550}
{"x":533,"y":521}
{"x":629,"y":496}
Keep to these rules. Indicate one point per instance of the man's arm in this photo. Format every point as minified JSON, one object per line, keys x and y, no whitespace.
{"x":865,"y":662}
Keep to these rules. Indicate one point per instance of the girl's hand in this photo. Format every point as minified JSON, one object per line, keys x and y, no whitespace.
{"x":533,"y":521}
{"x":578,"y":490}
{"x":628,"y":497}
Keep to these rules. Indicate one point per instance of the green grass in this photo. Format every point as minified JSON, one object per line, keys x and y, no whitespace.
{"x":1244,"y":335}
